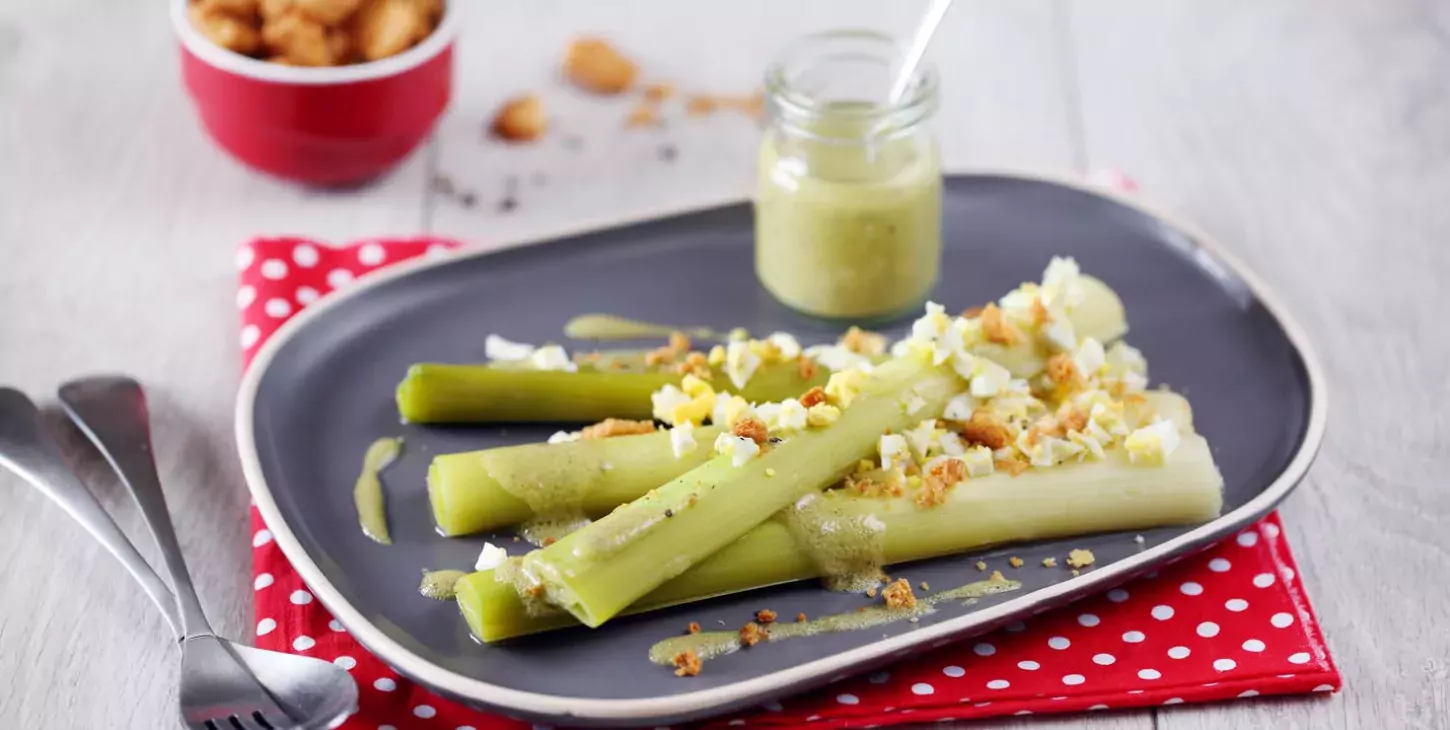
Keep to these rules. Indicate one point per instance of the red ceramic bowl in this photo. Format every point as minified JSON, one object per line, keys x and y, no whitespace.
{"x":321,"y":126}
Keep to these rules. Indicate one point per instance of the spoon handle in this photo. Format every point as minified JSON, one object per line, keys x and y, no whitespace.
{"x":111,"y":411}
{"x":28,"y":450}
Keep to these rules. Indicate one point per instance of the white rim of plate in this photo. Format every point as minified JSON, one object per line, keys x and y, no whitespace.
{"x":740,"y":693}
{"x":217,"y":57}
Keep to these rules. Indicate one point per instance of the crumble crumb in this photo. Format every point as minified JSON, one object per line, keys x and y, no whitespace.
{"x":534,"y":591}
{"x":1076,"y":572}
{"x":1081,"y":558}
{"x":1014,"y":561}
{"x":1040,"y":315}
{"x":753,"y":429}
{"x":946,"y":474}
{"x":871,"y":592}
{"x":806,"y":368}
{"x":800,"y":618}
{"x":984,"y":429}
{"x":1072,"y":419}
{"x":996,"y":328}
{"x":813,"y":397}
{"x":1012,"y":465}
{"x":981,"y":565}
{"x":997,"y":577}
{"x":593,"y":64}
{"x":659,"y":92}
{"x":693,"y":628}
{"x":972,"y":312}
{"x":643,"y":114}
{"x":899,"y":595}
{"x":662,"y":355}
{"x":752,"y":634}
{"x":611,"y":427}
{"x":521,"y":119}
{"x":765,"y":616}
{"x":924,"y":586}
{"x":549,"y":541}
{"x":863,"y":342}
{"x":687,"y":664}
{"x":696,"y":364}
{"x":679,"y":342}
{"x":1049,"y":562}
{"x":1062,"y":370}
{"x":699,"y":105}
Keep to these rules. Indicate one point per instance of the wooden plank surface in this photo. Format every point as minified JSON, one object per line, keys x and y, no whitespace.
{"x":1311,"y":137}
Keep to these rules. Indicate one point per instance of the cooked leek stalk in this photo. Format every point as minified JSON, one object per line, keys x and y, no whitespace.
{"x":1071,"y":499}
{"x":599,"y":570}
{"x":484,"y":490}
{"x":436,"y":393}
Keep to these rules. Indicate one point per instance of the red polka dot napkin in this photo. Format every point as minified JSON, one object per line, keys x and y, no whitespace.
{"x":1231,"y":622}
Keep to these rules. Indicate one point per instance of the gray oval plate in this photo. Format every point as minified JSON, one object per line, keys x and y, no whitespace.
{"x":321,"y":390}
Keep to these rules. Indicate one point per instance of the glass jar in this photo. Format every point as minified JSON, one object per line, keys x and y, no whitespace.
{"x":848,"y":189}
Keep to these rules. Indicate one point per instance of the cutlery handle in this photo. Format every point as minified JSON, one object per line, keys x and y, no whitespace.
{"x":28,"y":450}
{"x":111,"y":411}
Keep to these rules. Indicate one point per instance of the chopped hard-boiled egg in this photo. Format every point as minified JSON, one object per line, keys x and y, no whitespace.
{"x":1091,"y":445}
{"x":682,"y":440}
{"x":1048,"y":450}
{"x":1060,"y":335}
{"x":768,"y":413}
{"x":500,"y":349}
{"x":894,"y":451}
{"x":491,"y":557}
{"x":740,"y":449}
{"x":1151,"y":445}
{"x":792,"y":416}
{"x":989,"y":378}
{"x":844,"y":386}
{"x":922,"y":437}
{"x":951,"y":444}
{"x":822,"y":414}
{"x":786,"y":346}
{"x":695,"y":387}
{"x":740,"y":362}
{"x":676,"y":407}
{"x":979,"y":461}
{"x":838,"y":357}
{"x":729,"y":409}
{"x":1089,"y":358}
{"x":1062,"y":284}
{"x":716,"y":356}
{"x":564,"y":437}
{"x":960,"y":407}
{"x":552,"y":357}
{"x":1124,"y":358}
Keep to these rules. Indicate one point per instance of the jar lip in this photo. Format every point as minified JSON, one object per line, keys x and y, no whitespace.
{"x":919,"y":99}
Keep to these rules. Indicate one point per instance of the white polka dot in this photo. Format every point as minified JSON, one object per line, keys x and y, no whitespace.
{"x":335,"y":626}
{"x":262,"y":581}
{"x":385,"y":685}
{"x":300,"y":597}
{"x":437,"y":250}
{"x":879,"y":678}
{"x":1271,"y":530}
{"x":338,"y":278}
{"x":250,"y":335}
{"x":1023,"y":712}
{"x":346,"y":662}
{"x":1117,"y":595}
{"x":953,"y":671}
{"x":922,"y":688}
{"x":306,"y":295}
{"x":1173,"y":701}
{"x":1149,"y":674}
{"x":266,"y":626}
{"x":984,"y":649}
{"x":812,"y":718}
{"x":1253,"y":645}
{"x":773,"y":706}
{"x":262,"y":537}
{"x":1104,"y":659}
{"x":1249,"y":693}
{"x":1324,"y":688}
{"x":1210,"y":684}
{"x":388,"y":727}
{"x":1208,"y":629}
{"x":371,"y":255}
{"x":1179,"y":652}
{"x":542,"y":726}
{"x":245,"y":296}
{"x":1028,"y":665}
{"x":735,"y":723}
{"x":1089,"y":620}
{"x":1223,"y":665}
{"x":1162,"y":612}
{"x":1098,"y":707}
{"x":274,"y":269}
{"x":245,"y":257}
{"x":424,"y":711}
{"x":277,"y":308}
{"x":1073,"y":679}
{"x":1248,"y":538}
{"x":305,"y":255}
{"x":1299,"y":657}
{"x":1219,"y":565}
{"x":1281,"y":620}
{"x":1134,"y":637}
{"x":303,"y":643}
{"x":848,"y":699}
{"x":1263,"y":580}
{"x":1236,"y":604}
{"x":1016,"y":627}
{"x":1059,"y":642}
{"x":1190,"y":589}
{"x":1135,"y":691}
{"x":465,"y":727}
{"x":998,"y":684}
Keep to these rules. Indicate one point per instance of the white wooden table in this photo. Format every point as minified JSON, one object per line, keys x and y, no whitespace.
{"x":1313,"y":137}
